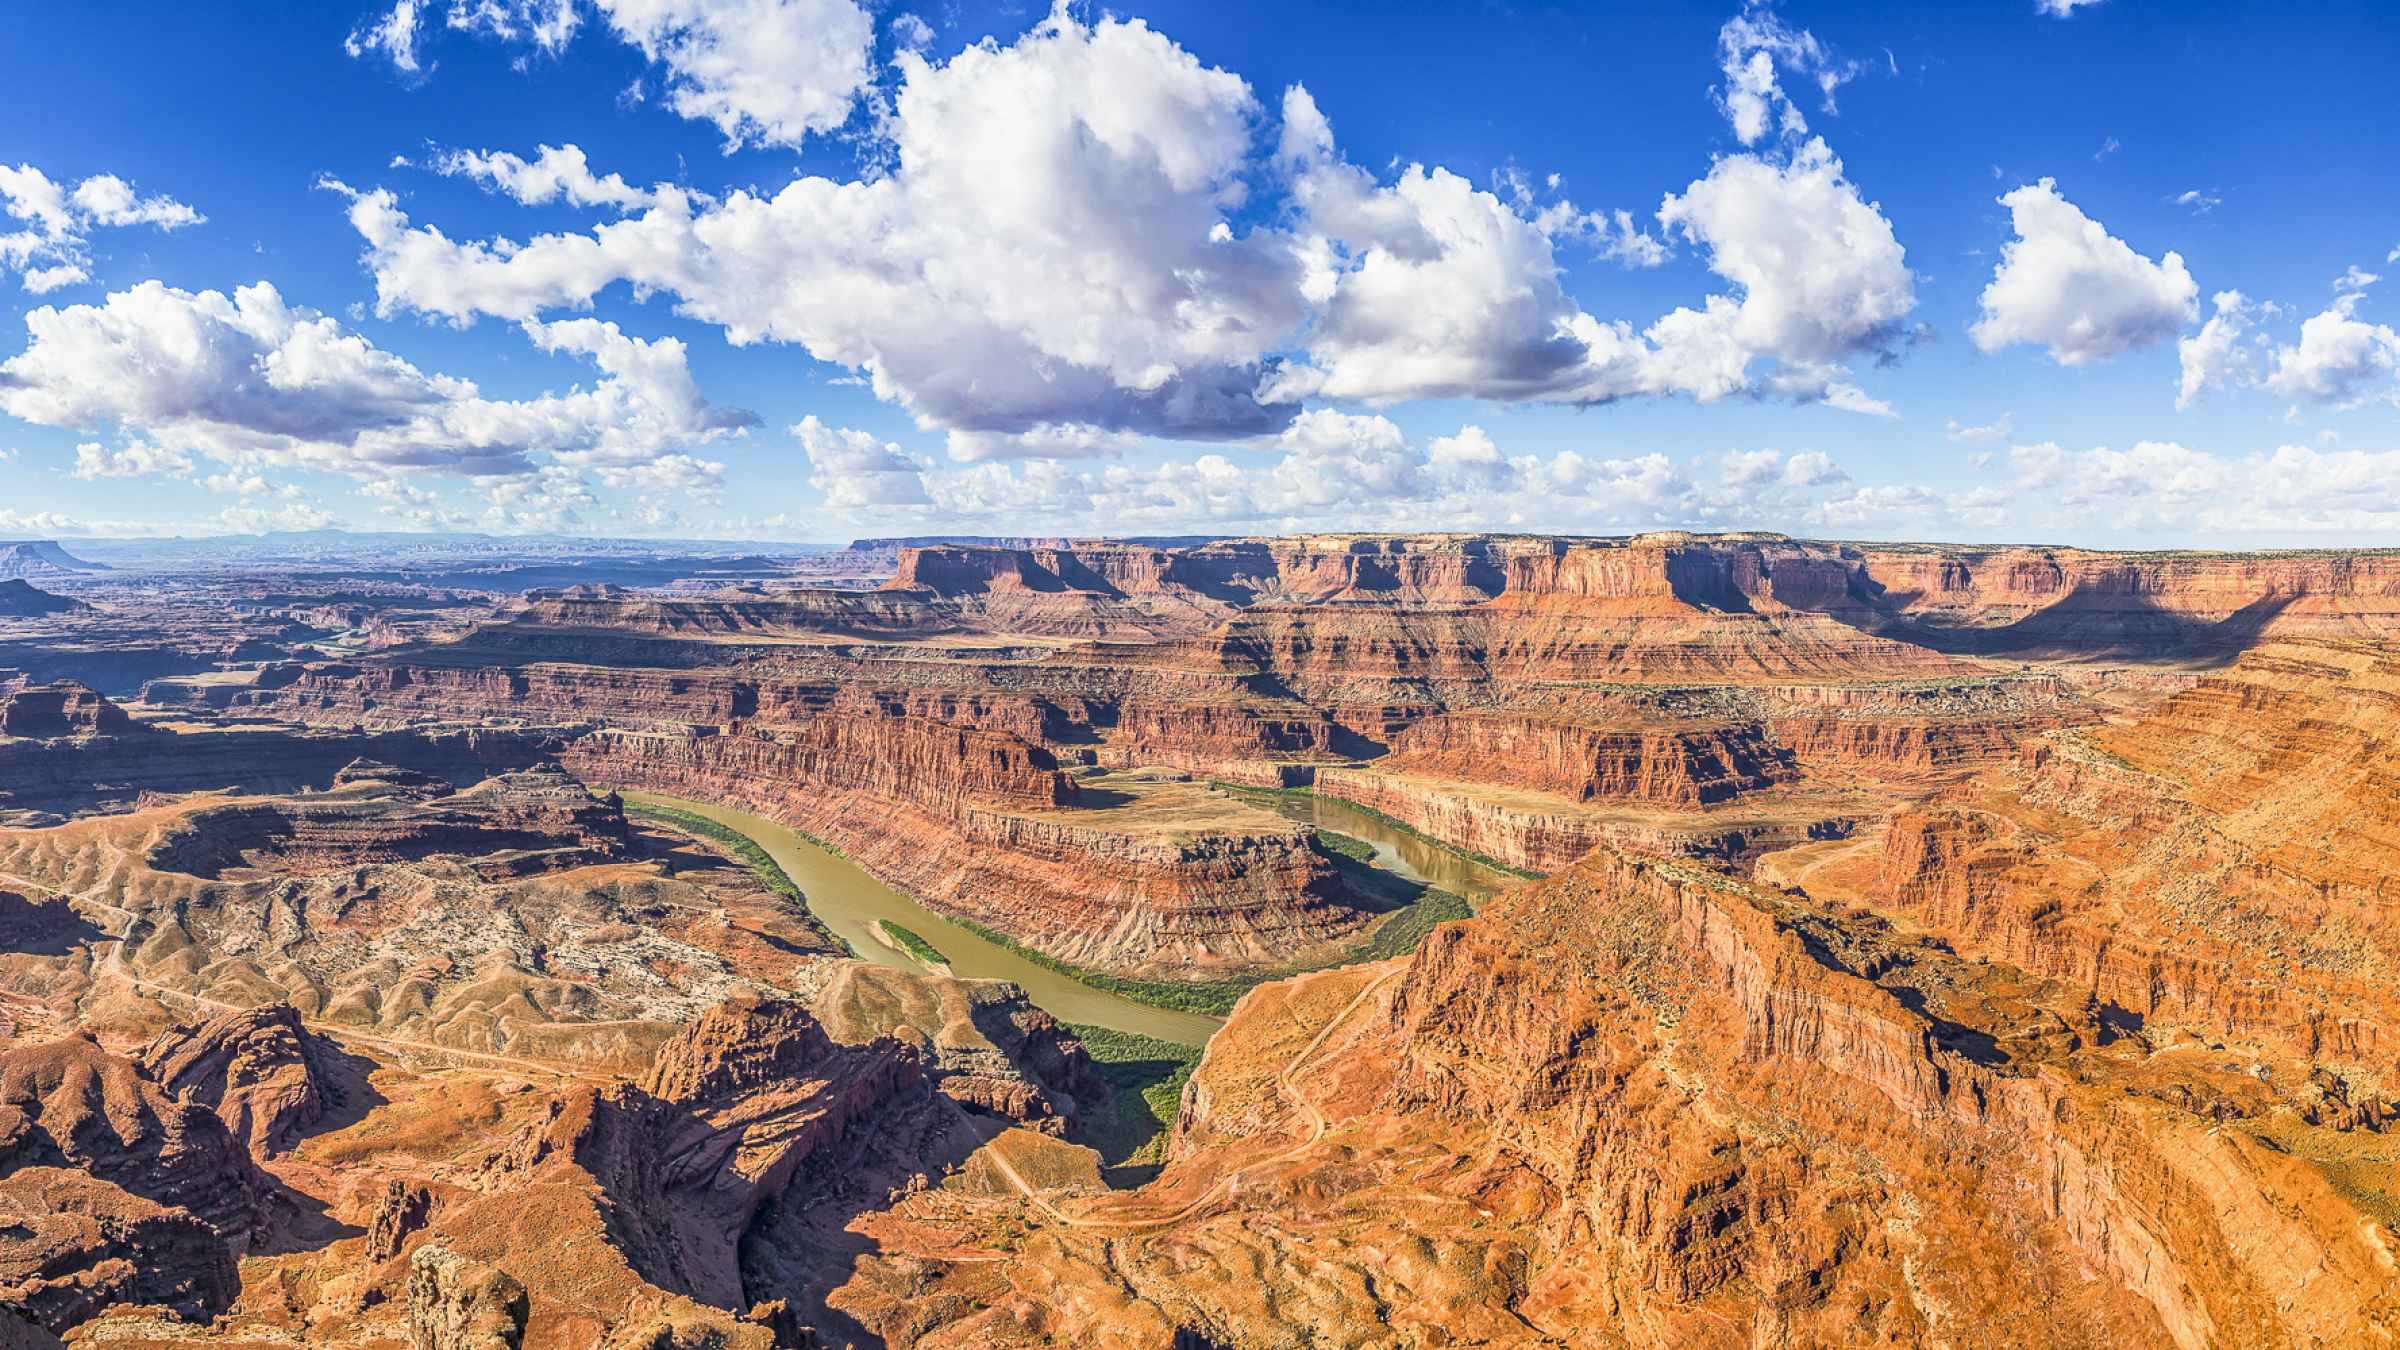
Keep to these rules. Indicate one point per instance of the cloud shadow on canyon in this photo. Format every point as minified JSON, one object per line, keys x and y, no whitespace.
{"x":2087,"y":624}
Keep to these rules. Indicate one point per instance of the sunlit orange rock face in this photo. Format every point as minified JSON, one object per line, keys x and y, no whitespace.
{"x":1646,"y":1103}
{"x":2223,"y":862}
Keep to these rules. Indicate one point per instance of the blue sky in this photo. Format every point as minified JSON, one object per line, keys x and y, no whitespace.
{"x":1103,"y":271}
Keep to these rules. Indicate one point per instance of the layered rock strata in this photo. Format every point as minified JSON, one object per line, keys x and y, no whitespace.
{"x":1085,"y":886}
{"x":21,"y":599}
{"x":116,"y":1191}
{"x":512,"y":824}
{"x":575,"y":943}
{"x":62,"y":708}
{"x":259,"y":1070}
{"x":2223,"y":862}
{"x":700,"y":1205}
{"x":1576,"y":1111}
{"x":1661,"y":766}
{"x":44,"y":779}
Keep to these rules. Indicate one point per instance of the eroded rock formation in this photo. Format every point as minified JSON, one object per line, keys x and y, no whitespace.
{"x":64,"y":708}
{"x":1937,"y":945}
{"x":114,"y":1191}
{"x":1578,"y":1111}
{"x":259,"y":1069}
{"x":21,"y":599}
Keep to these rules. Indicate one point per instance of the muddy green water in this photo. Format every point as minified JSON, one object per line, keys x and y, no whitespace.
{"x":1398,"y":851}
{"x":849,"y":901}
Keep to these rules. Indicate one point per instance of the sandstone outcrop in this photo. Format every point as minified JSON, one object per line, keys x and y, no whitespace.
{"x":512,"y":824}
{"x":853,"y":614}
{"x":63,"y":708}
{"x":1049,"y":592}
{"x":458,"y":1304}
{"x":117,"y":1192}
{"x":1662,"y":766}
{"x":1494,"y":693}
{"x":77,"y":1245}
{"x":43,"y":780}
{"x":1527,"y":830}
{"x":688,"y":1208}
{"x":403,"y":1211}
{"x":2044,"y":995}
{"x":71,"y":1103}
{"x":1577,"y":1111}
{"x":2222,"y":862}
{"x":577,"y":941}
{"x":983,"y":1045}
{"x":21,"y":558}
{"x":259,"y":1069}
{"x":2086,"y":603}
{"x":1147,"y":884}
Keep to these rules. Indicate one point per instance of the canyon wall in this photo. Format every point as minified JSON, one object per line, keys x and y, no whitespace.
{"x":44,"y":779}
{"x":1530,"y":835}
{"x":2223,"y":862}
{"x":1663,"y":766}
{"x":1647,"y":1097}
{"x":1093,"y":893}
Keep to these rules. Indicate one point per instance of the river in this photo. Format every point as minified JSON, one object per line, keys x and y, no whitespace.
{"x":849,"y":901}
{"x":1397,"y":850}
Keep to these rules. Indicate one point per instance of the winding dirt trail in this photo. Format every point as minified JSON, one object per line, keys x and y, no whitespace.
{"x":1285,"y":1081}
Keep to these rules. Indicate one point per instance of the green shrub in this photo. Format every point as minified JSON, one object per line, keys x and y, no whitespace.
{"x":914,"y":945}
{"x":1145,"y":1076}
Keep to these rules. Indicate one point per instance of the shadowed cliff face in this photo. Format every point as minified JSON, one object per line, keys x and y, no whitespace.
{"x":21,"y":599}
{"x":2222,"y":862}
{"x":514,"y":824}
{"x":413,"y":1141}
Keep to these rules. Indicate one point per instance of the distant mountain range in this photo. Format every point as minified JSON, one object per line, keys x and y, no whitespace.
{"x":411,"y":548}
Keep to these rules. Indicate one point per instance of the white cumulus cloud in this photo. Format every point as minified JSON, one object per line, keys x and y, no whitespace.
{"x":2340,"y":359}
{"x":2217,"y":356}
{"x":2068,"y":285}
{"x":51,"y":246}
{"x":1055,"y":260}
{"x":856,"y":469}
{"x":247,"y":379}
{"x":762,"y":72}
{"x":556,"y":173}
{"x":1050,"y":248}
{"x":1821,"y":275}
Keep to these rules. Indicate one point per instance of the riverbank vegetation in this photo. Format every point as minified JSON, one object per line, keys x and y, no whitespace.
{"x":1146,"y":1077}
{"x":744,"y":850}
{"x":1270,"y":796}
{"x":1412,"y":908}
{"x":1213,"y":998}
{"x":912,"y":944}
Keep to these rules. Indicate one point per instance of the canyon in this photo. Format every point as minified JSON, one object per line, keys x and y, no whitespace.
{"x":1873,"y":944}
